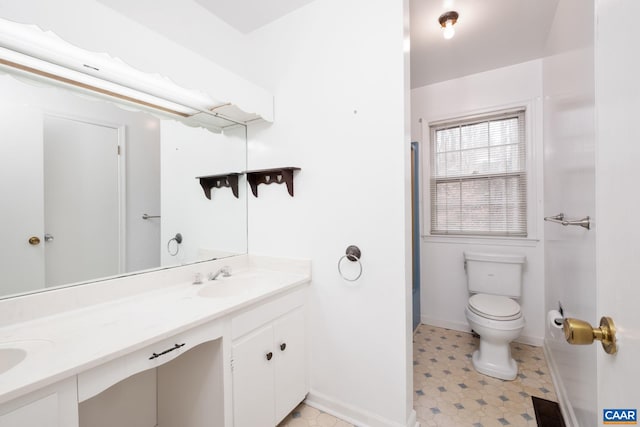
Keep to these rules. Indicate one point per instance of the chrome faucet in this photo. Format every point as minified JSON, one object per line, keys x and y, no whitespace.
{"x":225,"y":271}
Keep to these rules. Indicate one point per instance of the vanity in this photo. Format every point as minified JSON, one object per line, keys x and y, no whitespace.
{"x":227,"y":352}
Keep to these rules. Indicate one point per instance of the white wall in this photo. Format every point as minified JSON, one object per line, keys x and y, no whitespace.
{"x":569,"y":160}
{"x":444,"y":292}
{"x":338,"y":71}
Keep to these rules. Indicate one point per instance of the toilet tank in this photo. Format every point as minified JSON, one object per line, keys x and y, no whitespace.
{"x":496,"y":274}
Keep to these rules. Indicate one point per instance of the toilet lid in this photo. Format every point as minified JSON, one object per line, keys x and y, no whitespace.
{"x":494,"y":307}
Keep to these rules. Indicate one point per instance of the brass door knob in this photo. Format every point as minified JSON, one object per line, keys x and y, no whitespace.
{"x":580,"y":332}
{"x":34,"y":240}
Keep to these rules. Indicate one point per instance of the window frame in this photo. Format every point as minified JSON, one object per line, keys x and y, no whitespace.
{"x":531,"y":133}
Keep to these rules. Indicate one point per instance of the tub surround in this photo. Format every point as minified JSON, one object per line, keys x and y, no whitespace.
{"x":71,"y":331}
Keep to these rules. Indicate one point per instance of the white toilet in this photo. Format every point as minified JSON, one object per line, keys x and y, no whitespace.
{"x":494,"y":282}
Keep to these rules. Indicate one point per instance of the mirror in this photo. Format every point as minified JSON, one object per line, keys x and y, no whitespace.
{"x":92,"y":190}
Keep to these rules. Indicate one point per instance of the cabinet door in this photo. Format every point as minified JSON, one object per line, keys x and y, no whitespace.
{"x":43,"y":413}
{"x":290,"y":362}
{"x":53,"y":406}
{"x":253,"y":379}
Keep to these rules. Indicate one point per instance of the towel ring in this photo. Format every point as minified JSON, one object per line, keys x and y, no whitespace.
{"x":352,"y":254}
{"x":178,"y":240}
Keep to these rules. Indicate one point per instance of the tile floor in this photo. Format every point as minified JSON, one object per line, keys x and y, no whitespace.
{"x":450,"y":393}
{"x":306,"y":416}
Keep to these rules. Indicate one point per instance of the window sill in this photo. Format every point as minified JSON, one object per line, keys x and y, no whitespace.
{"x":483,"y":240}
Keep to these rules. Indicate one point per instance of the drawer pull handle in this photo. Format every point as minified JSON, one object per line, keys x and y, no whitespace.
{"x":175,"y":347}
{"x":283,"y":346}
{"x":269,"y":355}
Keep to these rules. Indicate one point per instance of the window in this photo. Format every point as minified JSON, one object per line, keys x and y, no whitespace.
{"x":479,"y":177}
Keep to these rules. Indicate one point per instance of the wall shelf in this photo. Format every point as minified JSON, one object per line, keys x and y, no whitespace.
{"x":271,"y":176}
{"x":218,"y":181}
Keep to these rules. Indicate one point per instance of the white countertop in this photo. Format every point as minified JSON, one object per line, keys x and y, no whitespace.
{"x":71,"y":342}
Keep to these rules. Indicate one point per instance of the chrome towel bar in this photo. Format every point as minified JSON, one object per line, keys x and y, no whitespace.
{"x":560,"y":219}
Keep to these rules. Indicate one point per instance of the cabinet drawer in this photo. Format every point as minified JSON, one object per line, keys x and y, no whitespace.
{"x":266,"y":312}
{"x":96,"y":380}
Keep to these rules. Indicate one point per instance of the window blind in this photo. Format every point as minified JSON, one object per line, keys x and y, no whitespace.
{"x":479,"y":177}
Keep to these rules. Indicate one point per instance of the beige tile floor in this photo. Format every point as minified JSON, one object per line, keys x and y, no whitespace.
{"x":449,"y":392}
{"x":306,"y":416}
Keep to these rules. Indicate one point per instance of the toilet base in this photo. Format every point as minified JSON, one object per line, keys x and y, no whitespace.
{"x":494,"y":363}
{"x":493,"y":357}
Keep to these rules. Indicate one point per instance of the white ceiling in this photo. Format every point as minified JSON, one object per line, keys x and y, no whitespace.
{"x":248,"y":15}
{"x":489,"y":34}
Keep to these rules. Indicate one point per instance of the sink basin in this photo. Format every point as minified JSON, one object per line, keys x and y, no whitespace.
{"x":10,"y":357}
{"x":244,"y":283}
{"x":14,"y":352}
{"x":224,"y":289}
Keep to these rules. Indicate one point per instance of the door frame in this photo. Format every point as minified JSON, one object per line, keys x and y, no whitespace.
{"x":415,"y":234}
{"x":122,"y":172}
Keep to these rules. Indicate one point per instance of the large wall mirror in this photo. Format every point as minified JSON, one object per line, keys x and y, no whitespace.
{"x":92,"y":190}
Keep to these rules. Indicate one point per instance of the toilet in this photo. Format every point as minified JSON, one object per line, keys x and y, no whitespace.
{"x":495,"y":283}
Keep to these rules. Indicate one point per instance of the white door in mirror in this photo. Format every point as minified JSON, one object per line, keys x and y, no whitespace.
{"x":21,"y":189}
{"x":82,"y":201}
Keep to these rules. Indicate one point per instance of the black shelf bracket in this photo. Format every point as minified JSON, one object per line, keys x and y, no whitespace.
{"x":271,"y":176}
{"x":218,"y":181}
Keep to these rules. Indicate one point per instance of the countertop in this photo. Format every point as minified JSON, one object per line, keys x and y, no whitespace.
{"x":71,"y":342}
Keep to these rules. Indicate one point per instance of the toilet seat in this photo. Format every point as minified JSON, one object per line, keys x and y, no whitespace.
{"x":494,"y":307}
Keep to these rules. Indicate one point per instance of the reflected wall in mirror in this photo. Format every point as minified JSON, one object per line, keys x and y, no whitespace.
{"x":77,"y":175}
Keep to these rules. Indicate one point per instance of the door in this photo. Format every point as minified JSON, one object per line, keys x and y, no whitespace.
{"x":290,"y":366}
{"x":253,"y":379}
{"x":415,"y":231}
{"x":618,"y":199}
{"x":81,"y":201}
{"x":21,"y":216}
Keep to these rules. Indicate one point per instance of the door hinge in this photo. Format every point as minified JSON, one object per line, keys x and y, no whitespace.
{"x":119,"y":152}
{"x":231,"y":365}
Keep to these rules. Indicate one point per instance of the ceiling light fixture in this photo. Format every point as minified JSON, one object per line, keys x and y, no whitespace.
{"x":19,"y":64}
{"x":447,"y":21}
{"x":29,"y":51}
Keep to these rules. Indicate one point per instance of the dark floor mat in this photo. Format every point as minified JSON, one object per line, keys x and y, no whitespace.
{"x":547,"y":413}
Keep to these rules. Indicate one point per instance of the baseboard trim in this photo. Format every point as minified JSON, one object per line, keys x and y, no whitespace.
{"x":413,"y":419}
{"x":464,"y":327}
{"x":568,"y":414}
{"x":456,"y":326}
{"x":353,"y":415}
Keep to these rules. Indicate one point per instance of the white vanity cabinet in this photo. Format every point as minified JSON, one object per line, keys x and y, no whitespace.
{"x":182,"y":357}
{"x":269,"y":361}
{"x":53,"y":406}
